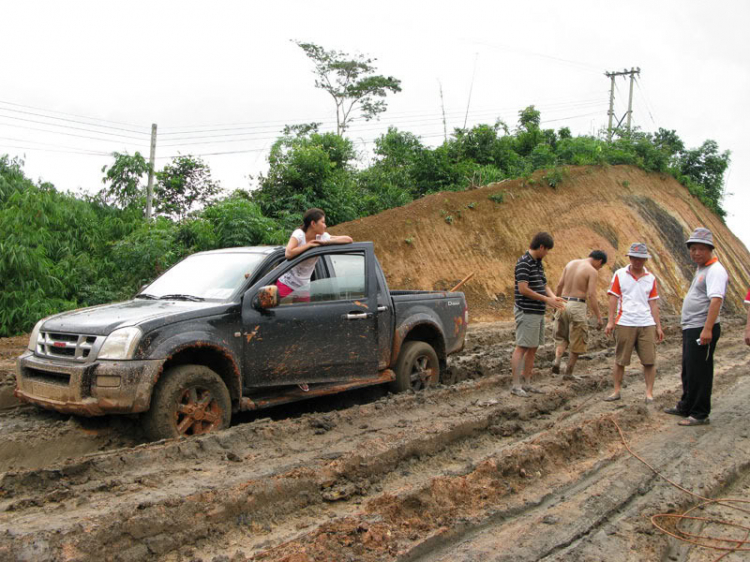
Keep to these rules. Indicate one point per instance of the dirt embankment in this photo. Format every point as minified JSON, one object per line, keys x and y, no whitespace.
{"x":436,"y":241}
{"x":461,"y":472}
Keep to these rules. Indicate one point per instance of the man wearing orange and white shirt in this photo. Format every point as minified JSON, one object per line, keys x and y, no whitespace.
{"x":636,"y":324}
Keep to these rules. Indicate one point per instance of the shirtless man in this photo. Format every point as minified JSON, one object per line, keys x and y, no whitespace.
{"x":577,"y":285}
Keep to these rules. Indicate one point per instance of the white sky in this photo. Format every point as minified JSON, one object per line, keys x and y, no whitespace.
{"x":194,"y":67}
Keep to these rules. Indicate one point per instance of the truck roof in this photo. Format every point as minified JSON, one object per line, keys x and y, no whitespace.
{"x":242,"y":250}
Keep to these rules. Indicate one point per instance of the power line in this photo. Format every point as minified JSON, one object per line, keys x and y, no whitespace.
{"x":583,"y":66}
{"x":54,"y":150}
{"x":354,"y":128}
{"x":68,"y":127}
{"x":50,"y":144}
{"x":69,"y":114}
{"x":71,"y":121}
{"x":270,"y":124}
{"x":361,"y":141}
{"x":57,"y":132}
{"x":645,"y":100}
{"x":357,"y":126}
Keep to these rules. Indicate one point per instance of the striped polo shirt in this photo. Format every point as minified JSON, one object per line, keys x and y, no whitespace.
{"x":532,"y":272}
{"x":634,"y":296}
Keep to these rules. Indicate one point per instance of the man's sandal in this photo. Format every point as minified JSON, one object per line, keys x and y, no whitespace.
{"x":612,"y":397}
{"x":690,"y":420}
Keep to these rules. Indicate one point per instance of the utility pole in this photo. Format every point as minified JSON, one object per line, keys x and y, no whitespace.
{"x":629,"y":114}
{"x":150,"y":187}
{"x":442,"y":105}
{"x":630,"y":97}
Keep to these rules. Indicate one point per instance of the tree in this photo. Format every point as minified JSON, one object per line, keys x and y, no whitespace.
{"x":124,"y":179}
{"x":183,"y":185}
{"x":706,"y":166}
{"x":309,"y":169}
{"x":351,"y":82}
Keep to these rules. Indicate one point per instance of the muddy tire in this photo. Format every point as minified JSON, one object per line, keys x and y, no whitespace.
{"x":417,"y":367}
{"x":188,"y":400}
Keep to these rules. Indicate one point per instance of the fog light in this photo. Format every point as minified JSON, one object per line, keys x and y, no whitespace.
{"x":107,"y":381}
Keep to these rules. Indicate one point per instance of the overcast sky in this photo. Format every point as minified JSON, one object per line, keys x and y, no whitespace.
{"x":80,"y":80}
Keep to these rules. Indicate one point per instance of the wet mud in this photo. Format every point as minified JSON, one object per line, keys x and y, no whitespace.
{"x":459,"y":472}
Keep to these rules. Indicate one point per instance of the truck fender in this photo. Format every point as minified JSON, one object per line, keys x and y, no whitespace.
{"x":171,"y":347}
{"x":409,"y":325}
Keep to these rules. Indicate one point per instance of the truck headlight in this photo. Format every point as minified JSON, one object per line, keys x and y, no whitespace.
{"x":35,"y":335}
{"x":120,"y":344}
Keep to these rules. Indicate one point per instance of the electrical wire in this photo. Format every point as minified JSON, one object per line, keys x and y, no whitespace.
{"x":645,"y":100}
{"x":70,"y":114}
{"x":581,"y":65}
{"x":25,"y":127}
{"x":73,"y":121}
{"x":68,"y":127}
{"x":692,"y":538}
{"x":54,"y":150}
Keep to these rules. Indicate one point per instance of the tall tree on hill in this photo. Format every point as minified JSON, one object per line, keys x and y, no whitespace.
{"x":184,"y":184}
{"x":123,"y":180}
{"x":351,"y":82}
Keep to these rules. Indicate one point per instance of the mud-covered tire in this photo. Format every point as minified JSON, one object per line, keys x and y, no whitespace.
{"x":188,"y":400}
{"x":417,"y":367}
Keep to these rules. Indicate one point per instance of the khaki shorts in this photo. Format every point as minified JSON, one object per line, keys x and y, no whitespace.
{"x":529,"y":329}
{"x":571,"y":326}
{"x":642,"y":338}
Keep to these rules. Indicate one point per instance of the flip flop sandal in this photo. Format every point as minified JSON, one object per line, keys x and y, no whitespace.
{"x":694,"y":421}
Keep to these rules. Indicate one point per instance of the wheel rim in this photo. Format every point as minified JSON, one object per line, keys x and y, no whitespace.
{"x":422,"y":373}
{"x":197,"y":412}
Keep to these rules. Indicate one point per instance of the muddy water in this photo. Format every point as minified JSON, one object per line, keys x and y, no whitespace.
{"x":459,"y":472}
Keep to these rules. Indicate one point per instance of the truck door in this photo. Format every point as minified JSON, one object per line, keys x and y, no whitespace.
{"x":323,"y":332}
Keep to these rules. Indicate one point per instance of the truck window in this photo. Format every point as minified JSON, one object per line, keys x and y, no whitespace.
{"x":346,"y":282}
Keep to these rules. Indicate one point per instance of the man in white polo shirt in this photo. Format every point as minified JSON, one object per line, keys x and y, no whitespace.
{"x":701,"y":329}
{"x":634,"y":295}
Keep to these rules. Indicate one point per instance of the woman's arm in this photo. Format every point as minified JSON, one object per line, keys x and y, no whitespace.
{"x":293,"y":248}
{"x":339,"y":240}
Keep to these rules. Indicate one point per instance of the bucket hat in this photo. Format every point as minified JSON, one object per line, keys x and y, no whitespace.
{"x":701,"y":236}
{"x":638,"y":250}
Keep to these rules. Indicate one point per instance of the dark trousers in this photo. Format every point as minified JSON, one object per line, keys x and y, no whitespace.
{"x":697,"y":372}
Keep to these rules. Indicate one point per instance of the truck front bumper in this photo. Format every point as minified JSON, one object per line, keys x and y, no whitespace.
{"x":88,"y":389}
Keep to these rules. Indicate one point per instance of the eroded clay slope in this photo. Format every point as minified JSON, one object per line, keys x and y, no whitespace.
{"x":436,"y":241}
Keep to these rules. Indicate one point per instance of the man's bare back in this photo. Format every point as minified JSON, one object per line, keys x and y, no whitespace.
{"x":578,"y":279}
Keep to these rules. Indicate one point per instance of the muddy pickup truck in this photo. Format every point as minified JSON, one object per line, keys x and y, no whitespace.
{"x":211,"y":337}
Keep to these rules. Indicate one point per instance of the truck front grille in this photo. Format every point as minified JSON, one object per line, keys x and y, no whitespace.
{"x":62,"y":379}
{"x":77,"y":347}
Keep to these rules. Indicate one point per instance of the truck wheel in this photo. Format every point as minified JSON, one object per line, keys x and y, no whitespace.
{"x":188,"y":400}
{"x":417,"y":367}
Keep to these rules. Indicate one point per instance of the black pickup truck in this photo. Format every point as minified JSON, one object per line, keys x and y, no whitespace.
{"x":211,"y":336}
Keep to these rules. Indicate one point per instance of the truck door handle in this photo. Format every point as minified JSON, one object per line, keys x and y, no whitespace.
{"x":358,"y":315}
{"x":382,"y":308}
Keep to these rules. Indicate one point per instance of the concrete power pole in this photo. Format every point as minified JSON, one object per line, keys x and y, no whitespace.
{"x":629,"y":114}
{"x":633,"y":72}
{"x":611,"y":111}
{"x":150,"y":187}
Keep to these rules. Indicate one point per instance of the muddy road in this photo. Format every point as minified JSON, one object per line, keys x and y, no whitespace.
{"x":460,"y":472}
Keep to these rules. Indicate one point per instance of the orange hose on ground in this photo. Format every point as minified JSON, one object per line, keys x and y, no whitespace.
{"x":741,"y":545}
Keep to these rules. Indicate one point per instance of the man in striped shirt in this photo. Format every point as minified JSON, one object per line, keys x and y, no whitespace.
{"x":532,"y":294}
{"x":633,"y":293}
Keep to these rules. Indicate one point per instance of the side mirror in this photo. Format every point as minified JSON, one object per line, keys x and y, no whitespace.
{"x":266,"y":297}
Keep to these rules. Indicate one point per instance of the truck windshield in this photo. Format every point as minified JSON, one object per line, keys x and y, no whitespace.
{"x":204,"y":276}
